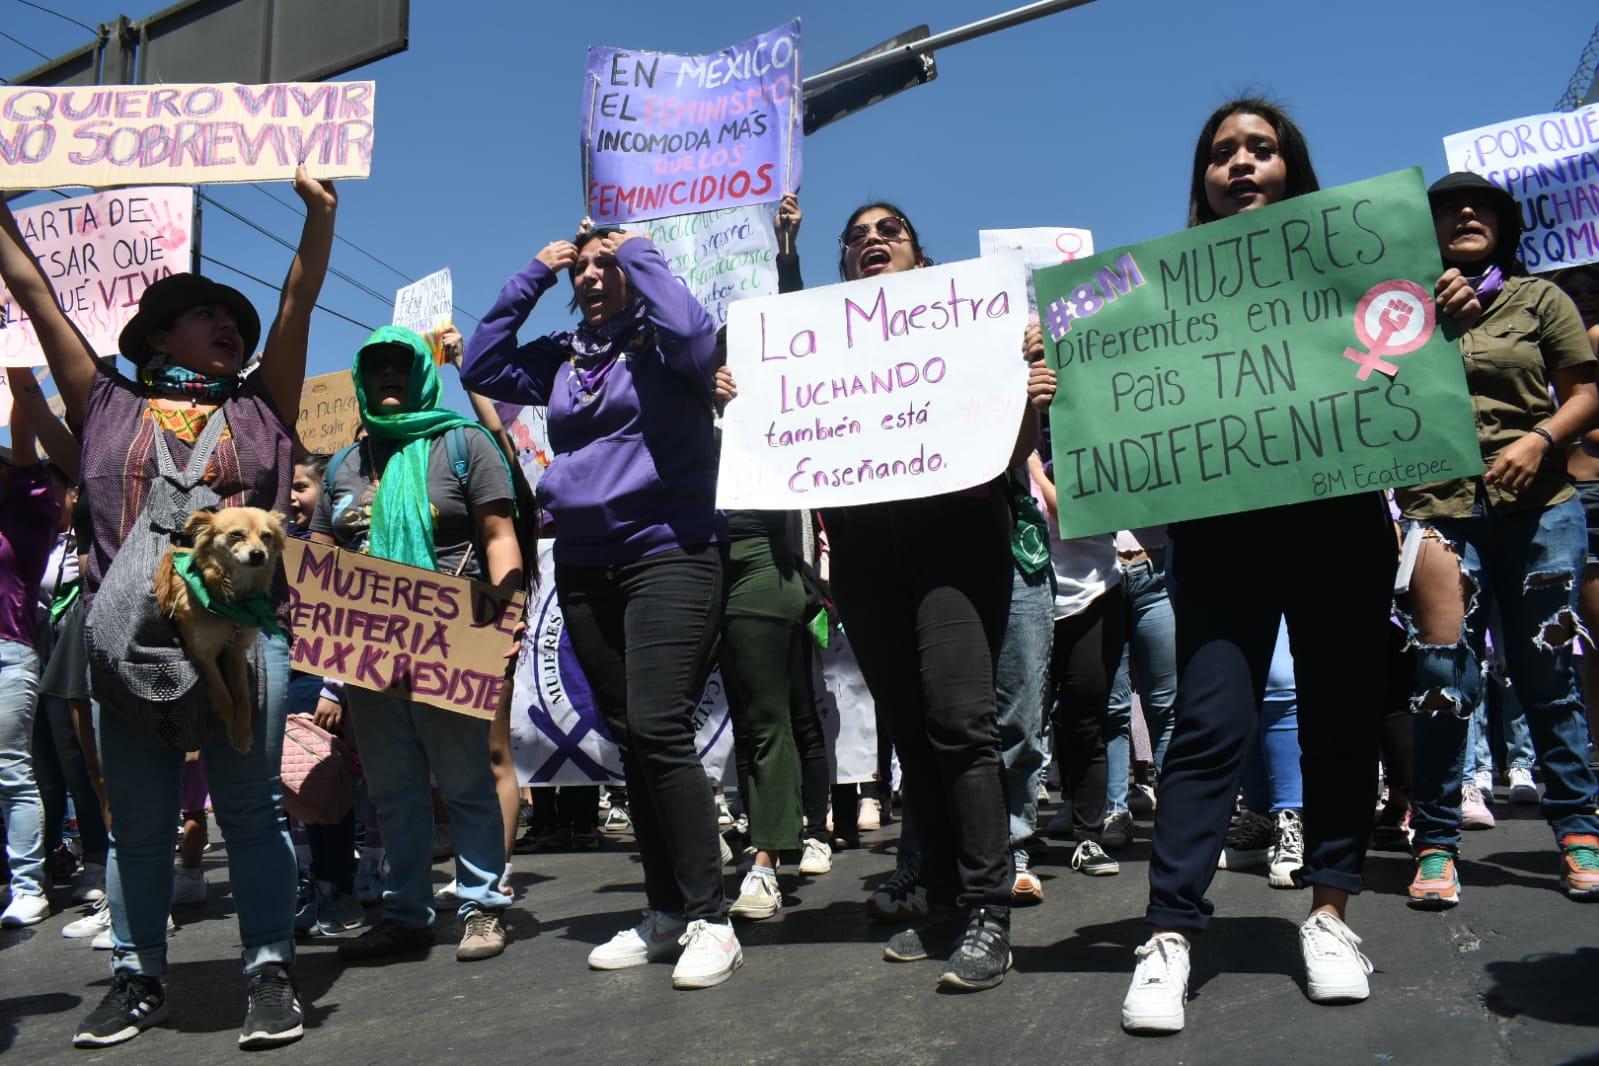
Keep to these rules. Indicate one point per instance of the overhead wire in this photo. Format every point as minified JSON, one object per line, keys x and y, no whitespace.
{"x":57,"y":14}
{"x":24,"y":44}
{"x":278,"y":288}
{"x":341,"y":275}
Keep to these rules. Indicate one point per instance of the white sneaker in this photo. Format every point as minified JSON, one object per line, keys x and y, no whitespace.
{"x":90,"y":884}
{"x":102,"y":940}
{"x":1484,"y":780}
{"x":710,"y":955}
{"x":1335,"y":970}
{"x":1287,"y":851}
{"x":188,"y":886}
{"x":25,"y":908}
{"x":447,"y":892}
{"x":617,"y":820}
{"x":724,"y":816}
{"x":94,"y":923}
{"x":726,"y":850}
{"x":656,"y":937}
{"x":816,"y":858}
{"x":1522,"y":787}
{"x":869,"y":815}
{"x":1154,"y":1002}
{"x":758,"y":897}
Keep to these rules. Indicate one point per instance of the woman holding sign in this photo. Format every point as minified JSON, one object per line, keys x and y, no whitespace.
{"x":638,"y":562}
{"x":188,"y":343}
{"x":1515,"y":537}
{"x":1328,"y":567}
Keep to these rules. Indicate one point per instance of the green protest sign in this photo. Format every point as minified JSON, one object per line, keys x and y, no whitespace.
{"x":1289,"y":353}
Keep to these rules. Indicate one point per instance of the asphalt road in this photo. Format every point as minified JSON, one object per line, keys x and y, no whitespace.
{"x":1510,"y":976}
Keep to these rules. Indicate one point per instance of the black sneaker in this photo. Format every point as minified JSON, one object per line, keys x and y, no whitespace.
{"x":984,"y":953}
{"x":132,"y":1005}
{"x":272,"y":1015}
{"x":1248,"y":840}
{"x":385,"y":939}
{"x":935,"y":936}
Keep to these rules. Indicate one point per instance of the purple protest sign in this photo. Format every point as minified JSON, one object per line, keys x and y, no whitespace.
{"x":667,"y":134}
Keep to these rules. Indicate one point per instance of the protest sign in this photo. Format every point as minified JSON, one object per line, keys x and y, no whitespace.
{"x":665,"y":134}
{"x":107,"y":135}
{"x":1550,"y":164}
{"x":722,"y":256}
{"x":423,"y":307}
{"x":328,"y":413}
{"x":100,"y":253}
{"x":1289,"y":353}
{"x":1039,"y":247}
{"x":558,"y":736}
{"x":886,"y":388}
{"x":400,"y":630}
{"x":529,"y":430}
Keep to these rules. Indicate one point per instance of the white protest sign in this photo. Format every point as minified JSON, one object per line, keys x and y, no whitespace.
{"x":1550,"y":164}
{"x":558,"y":736}
{"x":103,"y":136}
{"x":423,"y":307}
{"x":100,"y":253}
{"x":722,"y":256}
{"x":886,"y":388}
{"x":1039,"y":247}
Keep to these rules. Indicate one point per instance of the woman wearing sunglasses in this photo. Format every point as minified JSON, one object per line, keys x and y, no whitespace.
{"x":925,"y":622}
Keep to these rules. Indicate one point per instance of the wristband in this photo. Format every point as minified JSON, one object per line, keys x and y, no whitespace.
{"x":1544,"y":433}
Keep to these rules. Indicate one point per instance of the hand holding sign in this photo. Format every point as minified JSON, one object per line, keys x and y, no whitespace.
{"x":319,"y":196}
{"x":1457,"y":299}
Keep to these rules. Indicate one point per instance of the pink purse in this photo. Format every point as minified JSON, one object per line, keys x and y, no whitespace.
{"x":317,"y":786}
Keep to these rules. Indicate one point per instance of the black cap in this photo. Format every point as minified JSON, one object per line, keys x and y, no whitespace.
{"x":1505,"y":206}
{"x":170,"y":296}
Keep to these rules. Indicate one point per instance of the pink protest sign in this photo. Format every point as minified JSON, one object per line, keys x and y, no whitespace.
{"x":100,"y":252}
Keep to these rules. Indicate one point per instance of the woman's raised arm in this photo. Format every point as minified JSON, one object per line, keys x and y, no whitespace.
{"x":71,"y":358}
{"x":283,"y":358}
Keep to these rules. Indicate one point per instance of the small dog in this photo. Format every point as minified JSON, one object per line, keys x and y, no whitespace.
{"x":236,"y":551}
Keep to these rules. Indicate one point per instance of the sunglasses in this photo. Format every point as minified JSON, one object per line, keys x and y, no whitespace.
{"x":888,"y":227}
{"x":386,"y":360}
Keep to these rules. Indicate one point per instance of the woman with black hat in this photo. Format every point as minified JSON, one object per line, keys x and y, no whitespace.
{"x":638,"y":562}
{"x":145,"y":445}
{"x":1516,"y":537}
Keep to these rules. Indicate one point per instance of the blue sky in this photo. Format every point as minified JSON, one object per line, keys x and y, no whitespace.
{"x":1086,"y":118}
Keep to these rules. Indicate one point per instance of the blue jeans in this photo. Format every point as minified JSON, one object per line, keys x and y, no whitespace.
{"x":1498,"y":706}
{"x":143,"y":786}
{"x":1272,"y":779}
{"x":1152,"y":649}
{"x":19,"y":793}
{"x":401,"y":741}
{"x":1528,"y":563}
{"x":1021,"y":673}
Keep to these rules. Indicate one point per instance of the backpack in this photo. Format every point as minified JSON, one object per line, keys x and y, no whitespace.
{"x":525,"y":514}
{"x":138,"y":669}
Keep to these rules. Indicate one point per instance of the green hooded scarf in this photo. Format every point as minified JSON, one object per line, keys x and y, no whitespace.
{"x":402,"y":515}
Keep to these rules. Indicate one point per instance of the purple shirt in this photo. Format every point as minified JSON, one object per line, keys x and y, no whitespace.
{"x":27,"y":534}
{"x":634,"y":471}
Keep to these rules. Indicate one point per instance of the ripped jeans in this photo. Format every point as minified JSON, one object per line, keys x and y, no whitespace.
{"x":1527,"y":563}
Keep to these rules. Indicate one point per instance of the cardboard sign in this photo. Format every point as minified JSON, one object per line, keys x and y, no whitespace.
{"x":665,"y":134}
{"x":102,"y":136}
{"x":558,"y":736}
{"x":399,"y":630}
{"x":1550,"y":164}
{"x":423,"y":307}
{"x":1039,"y":247}
{"x":887,"y":388}
{"x":100,"y":253}
{"x":1288,"y":353}
{"x":722,"y":256}
{"x":329,"y":414}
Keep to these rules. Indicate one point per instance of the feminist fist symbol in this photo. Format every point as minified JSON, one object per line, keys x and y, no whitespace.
{"x":1394,"y":318}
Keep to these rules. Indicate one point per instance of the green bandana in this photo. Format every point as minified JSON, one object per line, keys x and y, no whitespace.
{"x":65,"y":595}
{"x":821,"y":629}
{"x":402,"y":515}
{"x":257,"y":611}
{"x":1029,"y":540}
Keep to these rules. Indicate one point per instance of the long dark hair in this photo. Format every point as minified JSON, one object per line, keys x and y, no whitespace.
{"x":880,"y":205}
{"x":1290,"y":142}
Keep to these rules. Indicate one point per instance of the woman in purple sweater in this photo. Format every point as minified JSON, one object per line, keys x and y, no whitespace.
{"x":638,"y":561}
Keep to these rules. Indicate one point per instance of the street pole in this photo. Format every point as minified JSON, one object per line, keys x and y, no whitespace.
{"x":927,"y":45}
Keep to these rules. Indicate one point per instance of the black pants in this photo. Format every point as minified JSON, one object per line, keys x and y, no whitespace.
{"x":1328,"y":566}
{"x":1082,"y":667}
{"x":574,"y":807}
{"x":923,"y":587}
{"x":643,"y":633}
